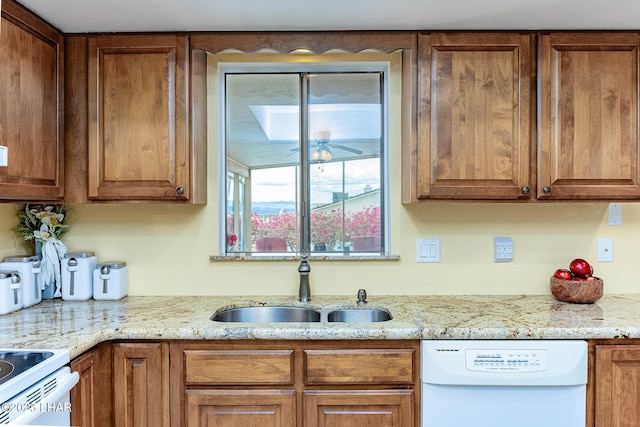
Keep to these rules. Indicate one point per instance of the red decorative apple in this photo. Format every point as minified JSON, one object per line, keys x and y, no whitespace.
{"x":563,"y":273}
{"x":581,"y":268}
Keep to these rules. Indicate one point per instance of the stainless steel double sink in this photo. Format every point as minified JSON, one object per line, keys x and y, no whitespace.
{"x":269,"y":314}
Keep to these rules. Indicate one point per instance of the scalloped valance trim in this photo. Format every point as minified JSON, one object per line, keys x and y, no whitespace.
{"x":317,"y":43}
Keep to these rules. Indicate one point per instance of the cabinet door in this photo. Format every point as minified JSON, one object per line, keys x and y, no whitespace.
{"x":589,"y":99}
{"x":91,"y":397}
{"x":82,"y":395}
{"x":617,"y":399}
{"x":138,"y":118}
{"x":31,"y":106}
{"x":383,"y":408}
{"x":141,"y":384}
{"x":241,"y":408}
{"x":474,"y":116}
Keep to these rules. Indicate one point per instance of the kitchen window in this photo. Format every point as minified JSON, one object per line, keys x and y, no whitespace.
{"x":305,"y":158}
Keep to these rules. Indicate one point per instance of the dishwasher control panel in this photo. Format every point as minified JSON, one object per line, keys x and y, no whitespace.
{"x":504,"y":360}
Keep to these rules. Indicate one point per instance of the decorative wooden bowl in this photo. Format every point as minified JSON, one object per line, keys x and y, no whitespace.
{"x":579,"y":292}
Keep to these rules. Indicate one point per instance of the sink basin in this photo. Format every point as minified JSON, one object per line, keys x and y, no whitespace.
{"x":359,"y":315}
{"x":267,"y":314}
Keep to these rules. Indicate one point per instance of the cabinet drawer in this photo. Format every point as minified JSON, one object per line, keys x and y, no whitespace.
{"x":238,"y":366}
{"x":359,"y":366}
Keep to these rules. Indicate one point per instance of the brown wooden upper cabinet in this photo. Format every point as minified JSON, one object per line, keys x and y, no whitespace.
{"x":475,"y":116}
{"x":31,"y":105}
{"x":142,"y":142}
{"x":588,"y":124}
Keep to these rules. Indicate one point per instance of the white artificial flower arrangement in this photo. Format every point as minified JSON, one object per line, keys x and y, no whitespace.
{"x":43,"y":224}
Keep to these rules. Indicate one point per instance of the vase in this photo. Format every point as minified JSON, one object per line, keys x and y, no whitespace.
{"x":49,"y":288}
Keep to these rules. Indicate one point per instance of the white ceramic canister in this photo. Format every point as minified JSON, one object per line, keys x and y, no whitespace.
{"x":110,"y":280}
{"x":77,"y":280}
{"x":28,"y":267}
{"x":10,"y":292}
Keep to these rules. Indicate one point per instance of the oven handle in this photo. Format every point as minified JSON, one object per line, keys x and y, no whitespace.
{"x":63,"y":388}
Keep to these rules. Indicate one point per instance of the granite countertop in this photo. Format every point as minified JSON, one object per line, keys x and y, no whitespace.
{"x":79,"y":325}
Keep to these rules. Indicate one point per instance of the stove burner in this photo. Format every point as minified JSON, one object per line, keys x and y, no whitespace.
{"x":6,"y":369}
{"x":13,"y":363}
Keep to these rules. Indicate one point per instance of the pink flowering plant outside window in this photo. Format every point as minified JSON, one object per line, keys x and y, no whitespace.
{"x":232,"y":237}
{"x":363,"y":223}
{"x":283,"y":225}
{"x":327,"y":228}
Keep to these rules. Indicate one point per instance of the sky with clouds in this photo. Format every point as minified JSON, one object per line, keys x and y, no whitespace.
{"x":279,"y":184}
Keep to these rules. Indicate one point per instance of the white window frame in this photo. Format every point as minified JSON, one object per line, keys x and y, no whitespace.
{"x":224,"y":68}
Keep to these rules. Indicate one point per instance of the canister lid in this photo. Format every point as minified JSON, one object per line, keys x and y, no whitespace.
{"x":7,"y":273}
{"x":111,"y":264}
{"x":21,"y":258}
{"x":85,"y":254}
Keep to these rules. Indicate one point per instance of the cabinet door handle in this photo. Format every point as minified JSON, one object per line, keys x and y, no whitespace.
{"x":525,"y":190}
{"x":546,"y":189}
{"x":179,"y":191}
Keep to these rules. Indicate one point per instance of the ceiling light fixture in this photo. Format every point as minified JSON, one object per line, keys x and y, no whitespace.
{"x":322,"y":154}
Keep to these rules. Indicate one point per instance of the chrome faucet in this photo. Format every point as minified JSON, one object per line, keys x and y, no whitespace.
{"x":362,"y":296}
{"x":304,"y":293}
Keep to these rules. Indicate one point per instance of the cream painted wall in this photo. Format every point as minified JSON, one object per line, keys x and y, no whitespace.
{"x":167,"y":250}
{"x":167,"y":247}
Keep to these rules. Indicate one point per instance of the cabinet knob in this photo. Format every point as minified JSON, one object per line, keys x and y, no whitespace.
{"x":525,"y":190}
{"x":546,"y":189}
{"x":179,"y":191}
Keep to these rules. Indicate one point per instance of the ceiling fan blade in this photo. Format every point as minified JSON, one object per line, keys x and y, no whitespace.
{"x":342,"y":147}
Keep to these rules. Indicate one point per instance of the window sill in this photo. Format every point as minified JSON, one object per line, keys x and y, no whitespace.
{"x":293,"y":257}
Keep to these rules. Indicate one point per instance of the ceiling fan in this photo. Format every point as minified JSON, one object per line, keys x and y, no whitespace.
{"x":322,"y":153}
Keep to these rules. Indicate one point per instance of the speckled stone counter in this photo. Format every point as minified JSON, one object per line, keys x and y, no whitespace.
{"x":79,"y":325}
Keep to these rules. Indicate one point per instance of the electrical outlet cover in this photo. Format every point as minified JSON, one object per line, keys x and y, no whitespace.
{"x":502,"y":249}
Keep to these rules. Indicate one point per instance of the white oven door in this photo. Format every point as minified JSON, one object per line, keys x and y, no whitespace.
{"x":45,"y":403}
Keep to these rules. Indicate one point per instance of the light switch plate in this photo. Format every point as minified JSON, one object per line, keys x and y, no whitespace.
{"x":427,"y":250}
{"x":4,"y":156}
{"x":615,"y":214}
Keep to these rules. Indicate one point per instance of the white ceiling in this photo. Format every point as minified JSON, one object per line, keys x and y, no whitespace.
{"x":79,"y":16}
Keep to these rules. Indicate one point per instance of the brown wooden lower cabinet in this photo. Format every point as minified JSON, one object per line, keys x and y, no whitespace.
{"x":82,"y":395}
{"x":276,"y":408}
{"x":298,"y":384}
{"x":141,"y":384}
{"x":240,"y":408}
{"x":371,"y":408}
{"x":248,"y":383}
{"x":91,"y":397}
{"x":616,"y":376}
{"x":295,"y":383}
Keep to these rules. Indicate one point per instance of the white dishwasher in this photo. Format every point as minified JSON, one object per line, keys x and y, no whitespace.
{"x":503,"y":383}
